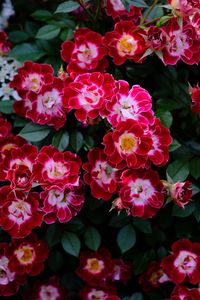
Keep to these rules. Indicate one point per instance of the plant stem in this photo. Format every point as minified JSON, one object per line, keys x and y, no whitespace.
{"x":86,"y":10}
{"x":98,"y":10}
{"x":149,"y":11}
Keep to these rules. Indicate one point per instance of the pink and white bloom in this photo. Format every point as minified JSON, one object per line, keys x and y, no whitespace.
{"x":184,"y":262}
{"x":141,"y":192}
{"x":161,"y":138}
{"x":56,"y":170}
{"x":46,"y":107}
{"x":135,"y":104}
{"x":87,"y":94}
{"x":101,"y":177}
{"x":19,"y":213}
{"x":182,"y":43}
{"x":85,"y":54}
{"x":62,"y":204}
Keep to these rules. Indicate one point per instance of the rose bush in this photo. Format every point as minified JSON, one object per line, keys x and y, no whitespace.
{"x":100,"y":150}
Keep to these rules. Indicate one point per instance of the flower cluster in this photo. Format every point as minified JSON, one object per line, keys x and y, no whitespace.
{"x":49,"y":289}
{"x":23,"y":167}
{"x":41,"y":94}
{"x":100,"y":272}
{"x":180,"y":267}
{"x":137,"y":141}
{"x":19,"y":259}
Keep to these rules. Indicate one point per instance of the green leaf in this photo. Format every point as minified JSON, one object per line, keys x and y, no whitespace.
{"x":120,"y":220}
{"x":136,"y":296}
{"x":92,"y":238}
{"x":20,"y":122}
{"x":163,"y":20}
{"x":141,"y":261}
{"x":178,"y":170}
{"x":71,"y":243}
{"x":53,"y":235}
{"x":136,"y":3}
{"x":167,"y":104}
{"x":126,"y":238}
{"x":195,"y":167}
{"x":76,"y":140}
{"x":139,"y":3}
{"x":41,"y":14}
{"x":142,"y":225}
{"x":174,"y":145}
{"x":197,"y":210}
{"x":60,"y":140}
{"x":26,"y":51}
{"x":48,"y":32}
{"x":67,"y":7}
{"x":183,"y":212}
{"x":165,"y":117}
{"x":34,"y":133}
{"x":55,"y":261}
{"x":18,"y":36}
{"x":6,"y":107}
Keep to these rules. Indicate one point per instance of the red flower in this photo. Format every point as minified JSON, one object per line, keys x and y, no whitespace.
{"x":122,"y":271}
{"x":101,"y":177}
{"x":32,"y":77}
{"x":19,"y":213}
{"x":49,"y":289}
{"x":28,"y":256}
{"x":62,"y":204}
{"x":17,"y":167}
{"x":91,"y":293}
{"x":195,"y":95}
{"x":117,"y":10}
{"x":125,"y":43}
{"x":128,"y":145}
{"x":184,"y":293}
{"x":135,"y":104}
{"x":181,"y":192}
{"x":5,"y":45}
{"x":7,"y":144}
{"x":153,"y":277}
{"x":141,"y":192}
{"x":46,"y":106}
{"x":5,"y":128}
{"x":161,"y":138}
{"x":95,"y":267}
{"x":181,"y":43}
{"x":185,"y":7}
{"x":56,"y":170}
{"x":183,"y":263}
{"x":87,"y":94}
{"x":155,"y":39}
{"x":85,"y":54}
{"x":9,"y":280}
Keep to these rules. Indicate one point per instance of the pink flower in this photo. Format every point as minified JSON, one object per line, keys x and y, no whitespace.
{"x":87,"y":94}
{"x":183,"y":263}
{"x":185,"y":7}
{"x":101,"y":177}
{"x":19,"y":213}
{"x":124,"y":43}
{"x":181,"y":192}
{"x":141,"y":192}
{"x":56,"y":170}
{"x":195,"y":95}
{"x":62,"y":204}
{"x":128,"y":145}
{"x":126,"y":104}
{"x":85,"y":54}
